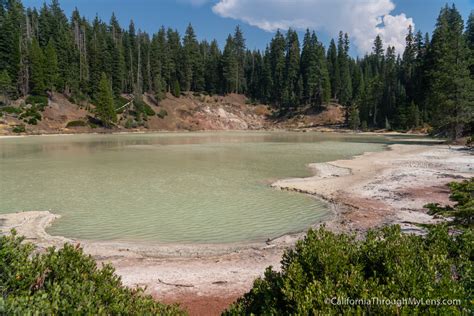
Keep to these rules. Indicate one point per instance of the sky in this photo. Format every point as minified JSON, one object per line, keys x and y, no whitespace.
{"x":259,"y":19}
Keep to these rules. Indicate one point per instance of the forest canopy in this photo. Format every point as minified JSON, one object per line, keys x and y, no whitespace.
{"x":430,"y":82}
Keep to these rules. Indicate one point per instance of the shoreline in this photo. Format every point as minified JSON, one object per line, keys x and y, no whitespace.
{"x":389,"y":187}
{"x":321,"y":129}
{"x":367,"y":191}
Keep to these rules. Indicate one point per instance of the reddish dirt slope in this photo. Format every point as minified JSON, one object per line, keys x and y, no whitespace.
{"x":332,"y":114}
{"x":190,"y":112}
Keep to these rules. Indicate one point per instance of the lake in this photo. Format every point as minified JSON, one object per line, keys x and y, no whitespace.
{"x":209,"y":187}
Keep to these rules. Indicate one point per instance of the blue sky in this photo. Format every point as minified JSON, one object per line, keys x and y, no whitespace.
{"x":259,"y":18}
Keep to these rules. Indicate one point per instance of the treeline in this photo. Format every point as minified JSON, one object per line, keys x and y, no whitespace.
{"x":430,"y":83}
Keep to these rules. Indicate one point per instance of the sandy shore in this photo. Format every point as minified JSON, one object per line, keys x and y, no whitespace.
{"x":386,"y":187}
{"x":370,"y":190}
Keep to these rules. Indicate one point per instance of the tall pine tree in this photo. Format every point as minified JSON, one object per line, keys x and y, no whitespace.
{"x":105,"y":110}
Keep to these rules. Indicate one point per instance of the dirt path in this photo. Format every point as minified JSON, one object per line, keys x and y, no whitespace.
{"x":368,"y":191}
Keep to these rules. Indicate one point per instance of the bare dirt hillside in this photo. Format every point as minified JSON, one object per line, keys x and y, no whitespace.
{"x":191,"y":112}
{"x":202,"y":112}
{"x":330,"y":115}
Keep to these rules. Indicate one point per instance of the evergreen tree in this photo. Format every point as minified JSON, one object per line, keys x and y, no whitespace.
{"x":354,"y":119}
{"x":51,"y":69}
{"x":190,"y":60}
{"x":378,"y":54}
{"x":230,"y":66}
{"x":277,"y":68}
{"x":389,"y":99}
{"x":173,"y":72}
{"x":253,"y":74}
{"x":409,"y":63}
{"x":58,"y":30}
{"x":12,"y":26}
{"x":345,"y":89}
{"x":292,"y":81}
{"x":176,"y":91}
{"x":105,"y":110}
{"x":413,"y":116}
{"x":308,"y":65}
{"x":115,"y":47}
{"x":451,"y":89}
{"x":158,"y":87}
{"x":212,"y":69}
{"x":333,"y":68}
{"x":315,"y":76}
{"x":5,"y":86}
{"x":160,"y":61}
{"x":266,"y":81}
{"x":37,"y":78}
{"x":470,"y":41}
{"x":239,"y":47}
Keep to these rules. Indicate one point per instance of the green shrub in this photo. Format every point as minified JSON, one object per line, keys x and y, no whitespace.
{"x":65,"y":282}
{"x":31,"y":114}
{"x":143,"y":108}
{"x":19,"y":129}
{"x":40,"y":101}
{"x":462,"y":211}
{"x":387,"y":265}
{"x":470,"y":142}
{"x":77,"y":123}
{"x":148,"y":110}
{"x":32,"y":121}
{"x":162,"y":114}
{"x":10,"y":110}
{"x":119,"y":102}
{"x":130,"y":123}
{"x":79,"y":98}
{"x":176,"y":89}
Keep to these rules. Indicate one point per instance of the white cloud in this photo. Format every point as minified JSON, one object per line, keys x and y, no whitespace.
{"x":195,"y":3}
{"x":361,"y":19}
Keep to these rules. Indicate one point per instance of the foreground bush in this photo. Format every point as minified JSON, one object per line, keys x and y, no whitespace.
{"x":325,"y":271}
{"x":64,"y":282}
{"x":462,"y":212}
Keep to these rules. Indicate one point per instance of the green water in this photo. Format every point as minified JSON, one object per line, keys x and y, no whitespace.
{"x":170,"y":187}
